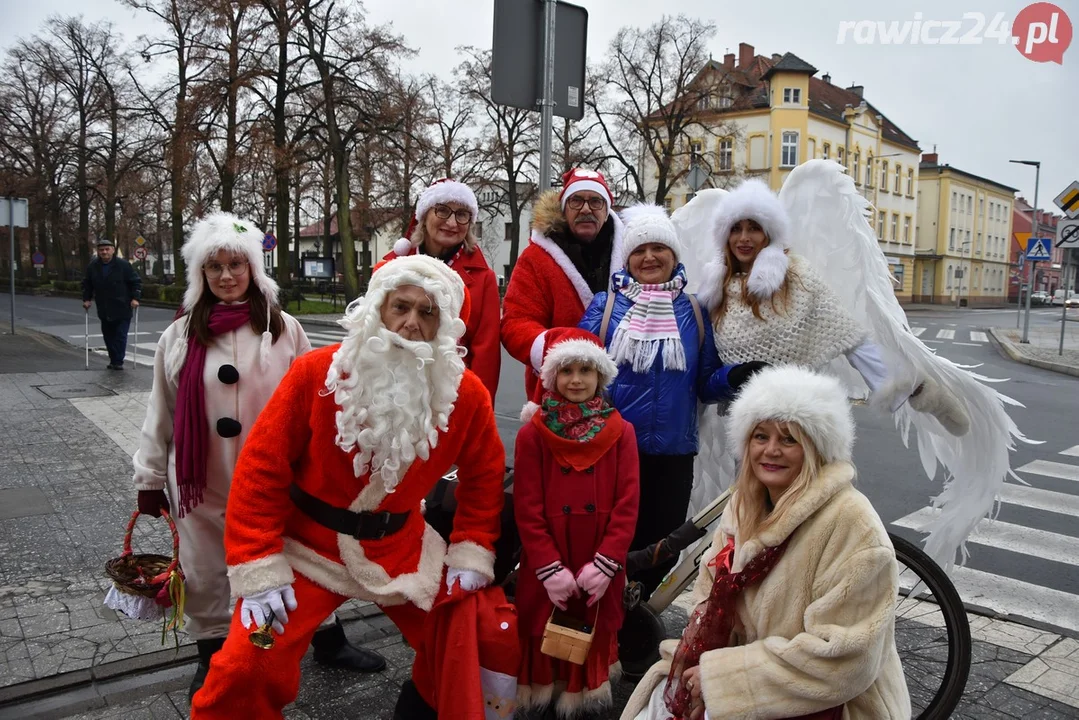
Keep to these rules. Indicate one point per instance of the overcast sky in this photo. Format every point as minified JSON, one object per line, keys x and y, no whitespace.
{"x":981,"y":105}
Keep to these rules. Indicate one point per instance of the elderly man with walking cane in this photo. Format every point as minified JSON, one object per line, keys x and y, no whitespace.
{"x":116,"y":288}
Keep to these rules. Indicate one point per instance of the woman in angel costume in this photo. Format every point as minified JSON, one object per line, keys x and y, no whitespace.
{"x":799,"y":279}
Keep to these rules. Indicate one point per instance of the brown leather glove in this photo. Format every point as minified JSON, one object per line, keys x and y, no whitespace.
{"x":152,"y":502}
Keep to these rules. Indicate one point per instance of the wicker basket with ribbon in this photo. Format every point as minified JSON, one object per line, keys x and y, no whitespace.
{"x":147,"y":586}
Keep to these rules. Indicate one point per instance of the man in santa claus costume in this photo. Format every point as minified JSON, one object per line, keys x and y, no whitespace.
{"x":575,"y":235}
{"x":325,"y":500}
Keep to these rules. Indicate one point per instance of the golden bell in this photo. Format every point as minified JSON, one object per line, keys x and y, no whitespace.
{"x":262,"y":637}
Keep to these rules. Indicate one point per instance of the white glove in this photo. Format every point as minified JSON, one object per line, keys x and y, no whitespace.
{"x":470,"y":580}
{"x":255,"y":609}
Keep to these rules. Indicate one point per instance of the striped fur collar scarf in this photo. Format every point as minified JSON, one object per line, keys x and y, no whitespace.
{"x":649,"y":327}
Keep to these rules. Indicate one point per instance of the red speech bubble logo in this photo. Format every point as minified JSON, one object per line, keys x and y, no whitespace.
{"x":1042,"y":32}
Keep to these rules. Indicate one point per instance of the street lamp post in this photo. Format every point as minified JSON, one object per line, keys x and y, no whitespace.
{"x":1034,"y":233}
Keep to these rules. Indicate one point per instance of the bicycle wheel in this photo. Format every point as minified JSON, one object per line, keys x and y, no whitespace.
{"x":932,"y":634}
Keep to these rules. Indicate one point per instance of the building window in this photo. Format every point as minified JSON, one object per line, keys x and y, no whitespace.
{"x":910,"y":182}
{"x":884,"y":176}
{"x":881,"y":219}
{"x":478,"y":232}
{"x":826,"y":151}
{"x":869,"y":171}
{"x":508,"y":233}
{"x":906,"y":230}
{"x":726,"y":155}
{"x":725,"y":99}
{"x":666,"y":206}
{"x":970,"y":204}
{"x":895,"y":226}
{"x":695,"y":148}
{"x":789,"y":156}
{"x":897,"y":273}
{"x":704,"y":102}
{"x":897,"y":188}
{"x":953,"y":201}
{"x":981,"y":206}
{"x":857,"y":173}
{"x":792,"y":96}
{"x":951,"y":239}
{"x":839,"y":155}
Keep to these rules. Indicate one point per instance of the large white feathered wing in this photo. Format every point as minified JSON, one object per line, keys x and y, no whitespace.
{"x":713,"y":470}
{"x":832,"y":232}
{"x":694,"y":223}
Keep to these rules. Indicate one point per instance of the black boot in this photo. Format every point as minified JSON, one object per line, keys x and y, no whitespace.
{"x":333,"y":649}
{"x":412,"y":706}
{"x":207,"y":648}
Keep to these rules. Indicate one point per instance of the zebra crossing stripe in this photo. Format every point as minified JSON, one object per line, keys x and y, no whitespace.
{"x":1021,"y":600}
{"x":917,"y":331}
{"x":1008,"y":536}
{"x":1038,"y":499}
{"x":978,"y":336}
{"x":1052,"y":469}
{"x":946,"y":334}
{"x":1073,"y":451}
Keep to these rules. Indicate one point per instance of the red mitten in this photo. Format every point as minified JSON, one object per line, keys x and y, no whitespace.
{"x":152,"y":502}
{"x":559,"y":583}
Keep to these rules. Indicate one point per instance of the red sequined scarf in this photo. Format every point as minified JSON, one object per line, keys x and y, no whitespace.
{"x":711,"y":623}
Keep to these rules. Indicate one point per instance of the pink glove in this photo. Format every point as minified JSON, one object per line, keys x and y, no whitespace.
{"x":593,"y":581}
{"x":559,"y":584}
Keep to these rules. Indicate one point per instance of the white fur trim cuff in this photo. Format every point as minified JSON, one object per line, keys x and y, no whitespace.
{"x":447,"y":192}
{"x":583,"y":351}
{"x":817,"y":403}
{"x":528,"y":410}
{"x":468,"y":555}
{"x":250,"y":578}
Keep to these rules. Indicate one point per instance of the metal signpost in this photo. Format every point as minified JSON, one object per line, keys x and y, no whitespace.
{"x":532,"y":65}
{"x":1067,"y":238}
{"x":1037,"y":165}
{"x":1038,"y":250}
{"x":14,"y":213}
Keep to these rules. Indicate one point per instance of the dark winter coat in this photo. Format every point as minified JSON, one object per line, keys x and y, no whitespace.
{"x":568,"y":515}
{"x":662,"y":404}
{"x":114,"y":292}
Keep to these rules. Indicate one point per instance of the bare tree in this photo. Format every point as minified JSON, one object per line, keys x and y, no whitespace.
{"x":452,"y":118}
{"x":649,"y":96}
{"x":353,"y":63}
{"x":511,"y":142}
{"x":182,"y":41}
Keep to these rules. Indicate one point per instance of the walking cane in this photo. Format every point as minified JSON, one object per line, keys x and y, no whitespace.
{"x":86,"y":312}
{"x":135,"y":358}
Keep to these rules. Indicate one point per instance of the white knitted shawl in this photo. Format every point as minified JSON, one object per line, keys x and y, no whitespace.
{"x":810,"y":330}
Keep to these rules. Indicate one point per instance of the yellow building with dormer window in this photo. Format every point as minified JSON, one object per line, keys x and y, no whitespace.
{"x":783,"y":115}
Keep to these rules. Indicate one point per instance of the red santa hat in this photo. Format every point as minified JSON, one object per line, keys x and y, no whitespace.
{"x":577,"y":180}
{"x":440,"y":192}
{"x":562,"y":346}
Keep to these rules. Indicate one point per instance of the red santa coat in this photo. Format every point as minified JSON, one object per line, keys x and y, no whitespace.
{"x":569,"y":515}
{"x":481,"y":330}
{"x":267,"y":537}
{"x":546,"y":290}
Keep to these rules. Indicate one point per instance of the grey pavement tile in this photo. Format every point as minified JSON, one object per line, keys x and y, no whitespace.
{"x":1021,"y":703}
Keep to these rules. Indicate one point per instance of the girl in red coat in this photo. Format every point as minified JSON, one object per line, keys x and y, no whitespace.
{"x":444,"y":227}
{"x":575,"y":498}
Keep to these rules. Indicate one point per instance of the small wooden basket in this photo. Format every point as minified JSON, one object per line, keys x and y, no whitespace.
{"x":567,"y":637}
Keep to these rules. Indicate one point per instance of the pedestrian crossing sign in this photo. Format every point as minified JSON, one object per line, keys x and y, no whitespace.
{"x":1038,"y":250}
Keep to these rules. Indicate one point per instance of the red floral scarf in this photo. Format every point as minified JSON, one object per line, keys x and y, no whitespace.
{"x":578,"y":434}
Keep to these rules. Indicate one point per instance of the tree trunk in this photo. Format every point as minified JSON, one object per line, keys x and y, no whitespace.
{"x":281,"y":157}
{"x":344,"y":227}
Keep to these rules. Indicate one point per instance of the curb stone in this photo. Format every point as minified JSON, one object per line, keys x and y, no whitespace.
{"x":1019,"y":356}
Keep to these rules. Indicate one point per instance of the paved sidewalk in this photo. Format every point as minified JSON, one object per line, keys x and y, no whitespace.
{"x":1043,"y":348}
{"x":66,"y":435}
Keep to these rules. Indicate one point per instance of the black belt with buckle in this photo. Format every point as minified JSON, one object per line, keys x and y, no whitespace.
{"x":360,"y":525}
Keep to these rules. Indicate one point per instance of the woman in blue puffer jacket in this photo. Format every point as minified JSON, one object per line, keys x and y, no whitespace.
{"x":667,"y":363}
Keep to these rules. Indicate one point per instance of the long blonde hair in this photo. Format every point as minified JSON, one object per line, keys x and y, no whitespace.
{"x":751,"y":496}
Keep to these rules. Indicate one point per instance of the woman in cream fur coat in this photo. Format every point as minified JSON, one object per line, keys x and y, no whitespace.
{"x":813,"y":632}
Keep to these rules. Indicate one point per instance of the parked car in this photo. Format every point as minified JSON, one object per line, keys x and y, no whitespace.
{"x":1059,"y":296}
{"x":1040,"y":297}
{"x":1072,"y":302}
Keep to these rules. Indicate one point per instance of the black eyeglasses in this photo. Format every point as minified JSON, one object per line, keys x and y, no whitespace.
{"x":594,"y":203}
{"x":463,"y":217}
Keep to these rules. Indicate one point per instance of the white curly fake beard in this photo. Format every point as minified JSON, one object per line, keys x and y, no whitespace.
{"x":396,"y":396}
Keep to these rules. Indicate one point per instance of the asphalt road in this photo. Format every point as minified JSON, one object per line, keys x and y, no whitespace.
{"x":1025,"y":564}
